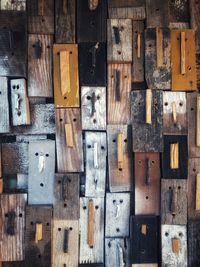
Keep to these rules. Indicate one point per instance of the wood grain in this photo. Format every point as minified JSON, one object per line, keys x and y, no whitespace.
{"x":193,"y":243}
{"x":134,"y":13}
{"x":195,"y":21}
{"x":157,"y":13}
{"x":19,"y":5}
{"x":4,"y":106}
{"x":178,"y":12}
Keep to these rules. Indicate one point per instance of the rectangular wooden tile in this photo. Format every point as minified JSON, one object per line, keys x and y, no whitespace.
{"x":66,"y":78}
{"x":4,"y":106}
{"x":175,"y":113}
{"x":158,"y":58}
{"x":178,"y":13}
{"x":147,"y":137}
{"x":12,"y":226}
{"x":96,"y":163}
{"x":119,"y":88}
{"x":194,"y":20}
{"x":40,"y":65}
{"x":119,"y":158}
{"x":41,"y":172}
{"x":69,"y":140}
{"x":91,"y":230}
{"x":147,"y":183}
{"x":117,"y":214}
{"x":38,"y":236}
{"x":174,"y":245}
{"x":66,"y":196}
{"x":19,"y":5}
{"x":174,"y":201}
{"x":157,"y":13}
{"x":65,"y":21}
{"x":193,"y":243}
{"x":65,"y":243}
{"x":93,"y":108}
{"x":119,"y":36}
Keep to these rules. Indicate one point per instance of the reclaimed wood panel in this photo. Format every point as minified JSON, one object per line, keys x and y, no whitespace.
{"x":125,"y":3}
{"x":17,"y":5}
{"x":4,"y":106}
{"x":195,"y":20}
{"x":178,"y":12}
{"x":193,"y":243}
{"x":157,"y":13}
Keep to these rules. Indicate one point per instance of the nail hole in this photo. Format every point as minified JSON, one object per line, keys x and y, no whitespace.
{"x":180,"y":104}
{"x":84,"y":207}
{"x":41,"y":184}
{"x":140,"y":162}
{"x":179,"y":187}
{"x":61,"y":119}
{"x":70,"y":228}
{"x":166,"y":234}
{"x":119,"y":52}
{"x":70,"y":52}
{"x":47,"y":224}
{"x":94,"y":121}
{"x":96,"y":207}
{"x":192,"y":109}
{"x":114,"y":140}
{"x":109,"y":244}
{"x":89,"y":146}
{"x":125,"y":140}
{"x":147,"y":197}
{"x":36,"y":154}
{"x":117,"y":229}
{"x":152,"y":161}
{"x":98,"y":97}
{"x":31,"y":223}
{"x":47,"y":155}
{"x":59,"y":229}
{"x":20,"y":215}
{"x":59,"y":181}
{"x":121,"y":201}
{"x":166,"y":103}
{"x":88,"y":97}
{"x":194,"y":170}
{"x":180,"y":234}
{"x":120,"y":169}
{"x":114,"y":201}
{"x":65,"y":97}
{"x":48,"y":46}
{"x":39,"y":256}
{"x":65,"y":205}
{"x":74,"y":120}
{"x":102,"y":147}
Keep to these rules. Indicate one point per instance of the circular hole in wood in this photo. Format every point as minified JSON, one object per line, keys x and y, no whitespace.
{"x":96,"y":207}
{"x":147,"y":197}
{"x":31,"y":223}
{"x":65,"y":97}
{"x":98,"y":97}
{"x":192,"y":109}
{"x":139,"y":162}
{"x":125,"y":140}
{"x":194,"y":170}
{"x":74,"y":120}
{"x":94,"y":121}
{"x":153,"y":162}
{"x":65,"y":205}
{"x":18,"y":86}
{"x":41,"y":184}
{"x":102,"y":147}
{"x":179,"y":187}
{"x":120,"y":169}
{"x":89,"y":146}
{"x":59,"y":181}
{"x":59,"y":229}
{"x":70,"y":52}
{"x":117,"y":230}
{"x":36,"y":154}
{"x":48,"y":224}
{"x":114,"y":201}
{"x":166,"y":103}
{"x":47,"y":155}
{"x":119,"y":52}
{"x":70,"y":228}
{"x":20,"y":215}
{"x":48,"y":46}
{"x":109,"y":244}
{"x":170,"y":188}
{"x":14,"y":87}
{"x":39,"y":256}
{"x":88,"y":97}
{"x":181,"y":104}
{"x":180,"y":234}
{"x":84,"y":207}
{"x":61,"y":119}
{"x":166,"y":234}
{"x":189,"y":68}
{"x":121,"y":201}
{"x":114,"y":140}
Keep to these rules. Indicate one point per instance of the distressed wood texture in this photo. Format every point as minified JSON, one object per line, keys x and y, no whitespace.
{"x":91,"y":253}
{"x":69,"y":158}
{"x":17,"y":5}
{"x":93,"y":108}
{"x":169,"y":233}
{"x":158,"y":76}
{"x":117,"y":214}
{"x":157,"y":13}
{"x":178,"y":13}
{"x":186,"y":81}
{"x":96,"y":163}
{"x":4,"y":106}
{"x":147,"y":183}
{"x":65,"y":21}
{"x":13,"y":43}
{"x":195,"y":21}
{"x":66,"y":92}
{"x":12,"y":228}
{"x":193,"y":243}
{"x":175,"y":113}
{"x":194,"y":150}
{"x":40,"y":65}
{"x":92,"y":64}
{"x":144,"y":244}
{"x":41,"y":172}
{"x":38,"y":252}
{"x":40,"y":22}
{"x":147,"y":137}
{"x":66,"y":197}
{"x":61,"y":228}
{"x":120,"y":175}
{"x":145,"y":265}
{"x":119,"y":88}
{"x":20,"y":102}
{"x":138,"y":52}
{"x":13,"y":264}
{"x":91,"y":24}
{"x":117,"y":251}
{"x":167,"y":171}
{"x":119,"y":43}
{"x":174,"y":202}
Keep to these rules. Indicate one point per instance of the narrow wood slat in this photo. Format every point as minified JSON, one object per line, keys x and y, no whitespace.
{"x":38,"y":232}
{"x":91,"y":223}
{"x":183,"y":69}
{"x":120,"y":152}
{"x":174,"y":156}
{"x":198,"y":192}
{"x":159,"y":47}
{"x":174,"y":113}
{"x":148,"y":106}
{"x":198,"y":122}
{"x":69,"y":135}
{"x":176,"y":245}
{"x":65,"y":72}
{"x":40,"y":7}
{"x":139,"y":45}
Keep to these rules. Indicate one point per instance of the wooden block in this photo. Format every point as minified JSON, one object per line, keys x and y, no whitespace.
{"x":72,"y":157}
{"x":12,"y":227}
{"x":198,"y":192}
{"x":138,"y":52}
{"x":144,"y":245}
{"x":38,"y":216}
{"x":13,"y":43}
{"x":174,"y":245}
{"x":40,"y":65}
{"x":119,"y":35}
{"x":65,"y":21}
{"x":158,"y":50}
{"x":174,"y":201}
{"x":41,"y":20}
{"x":120,"y":177}
{"x":65,"y":243}
{"x":19,"y":5}
{"x":117,"y":251}
{"x":91,"y":230}
{"x":157,"y":13}
{"x":93,"y":108}
{"x":183,"y":81}
{"x":20,"y":102}
{"x":174,"y":113}
{"x":91,"y":23}
{"x":147,"y":137}
{"x":117,"y":214}
{"x":147,"y":183}
{"x":96,"y":163}
{"x":193,"y":243}
{"x":148,"y":99}
{"x":179,"y":157}
{"x":178,"y":13}
{"x":66,"y":66}
{"x":4,"y":106}
{"x":194,"y":21}
{"x":92,"y":64}
{"x":119,"y":88}
{"x":125,"y":3}
{"x":66,"y":197}
{"x":41,"y":172}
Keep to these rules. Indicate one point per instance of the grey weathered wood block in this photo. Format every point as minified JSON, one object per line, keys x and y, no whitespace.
{"x":4,"y":106}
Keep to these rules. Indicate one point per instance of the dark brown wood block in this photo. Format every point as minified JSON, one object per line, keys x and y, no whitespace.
{"x":193,"y":243}
{"x":157,"y":13}
{"x":178,"y":12}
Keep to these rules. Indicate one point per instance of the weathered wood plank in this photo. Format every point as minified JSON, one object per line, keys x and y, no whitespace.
{"x":174,"y":202}
{"x":40,"y":65}
{"x":134,"y":11}
{"x":195,"y":21}
{"x":157,"y":13}
{"x":69,"y":158}
{"x":119,"y":35}
{"x":12,"y":210}
{"x":145,"y":265}
{"x":66,"y":197}
{"x":93,"y":108}
{"x":119,"y":88}
{"x":17,"y":5}
{"x":178,"y":12}
{"x":193,"y":243}
{"x":4,"y":106}
{"x":41,"y":172}
{"x":125,"y":3}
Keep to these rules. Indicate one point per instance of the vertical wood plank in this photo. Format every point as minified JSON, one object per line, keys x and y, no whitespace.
{"x":4,"y":106}
{"x":193,"y":243}
{"x":157,"y":13}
